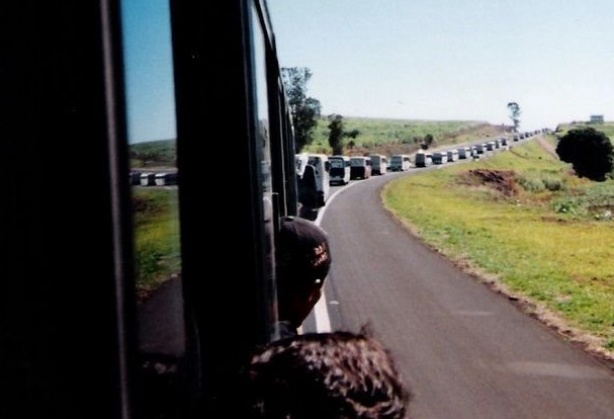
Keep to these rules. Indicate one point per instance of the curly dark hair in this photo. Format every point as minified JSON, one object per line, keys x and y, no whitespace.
{"x":336,"y":375}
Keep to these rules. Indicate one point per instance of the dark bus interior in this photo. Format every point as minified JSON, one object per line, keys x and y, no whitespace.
{"x":74,"y":341}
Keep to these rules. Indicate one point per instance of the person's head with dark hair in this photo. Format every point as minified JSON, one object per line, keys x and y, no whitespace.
{"x":336,"y":375}
{"x":303,"y":262}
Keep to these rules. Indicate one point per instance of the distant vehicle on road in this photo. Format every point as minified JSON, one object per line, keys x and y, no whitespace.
{"x":339,"y":170}
{"x":440,"y":157}
{"x":322,"y":171}
{"x":379,"y":164}
{"x":464,"y":153}
{"x":452,"y":155}
{"x":422,"y":159}
{"x":400,"y":162}
{"x":360,"y":167}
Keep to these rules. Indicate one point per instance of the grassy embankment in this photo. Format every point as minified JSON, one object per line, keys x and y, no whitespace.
{"x":156,"y":220}
{"x":157,"y":249}
{"x":392,"y":136}
{"x":536,"y":232}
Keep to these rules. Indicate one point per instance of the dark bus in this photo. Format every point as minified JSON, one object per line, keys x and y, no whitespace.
{"x":83,"y":334}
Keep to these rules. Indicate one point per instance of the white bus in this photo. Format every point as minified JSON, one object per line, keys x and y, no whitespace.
{"x":339,"y":170}
{"x":464,"y":152}
{"x":440,"y":157}
{"x":400,"y":162}
{"x":379,"y":164}
{"x":322,"y":171}
{"x":360,"y":167}
{"x":321,"y":168}
{"x":300,"y":161}
{"x":453,"y":155}
{"x":422,"y":159}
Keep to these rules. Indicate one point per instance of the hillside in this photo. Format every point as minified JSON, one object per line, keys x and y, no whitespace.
{"x":161,"y":153}
{"x":607,"y":128}
{"x":391,"y":136}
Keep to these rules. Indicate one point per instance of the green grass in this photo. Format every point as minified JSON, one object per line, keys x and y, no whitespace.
{"x":607,"y":127}
{"x":157,"y":247}
{"x":389,"y":136}
{"x":153,"y":153}
{"x":550,"y":241}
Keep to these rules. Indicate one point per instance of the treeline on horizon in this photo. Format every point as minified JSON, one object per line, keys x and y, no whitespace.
{"x":377,"y":136}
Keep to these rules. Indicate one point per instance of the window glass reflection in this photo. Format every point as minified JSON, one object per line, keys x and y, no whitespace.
{"x":264,"y":153}
{"x":153,"y":176}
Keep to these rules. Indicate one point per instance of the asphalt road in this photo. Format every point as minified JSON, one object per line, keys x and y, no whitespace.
{"x":466,"y":351}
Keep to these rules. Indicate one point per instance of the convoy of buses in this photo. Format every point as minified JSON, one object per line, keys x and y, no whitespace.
{"x":339,"y":170}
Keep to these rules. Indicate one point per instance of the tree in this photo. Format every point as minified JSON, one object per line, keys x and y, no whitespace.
{"x":427,"y":141}
{"x":305,"y":110}
{"x":337,"y":134}
{"x":514,"y":110}
{"x":589,"y":151}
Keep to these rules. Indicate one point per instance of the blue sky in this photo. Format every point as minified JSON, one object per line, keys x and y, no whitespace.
{"x":453,"y":59}
{"x":409,"y":59}
{"x":149,"y":71}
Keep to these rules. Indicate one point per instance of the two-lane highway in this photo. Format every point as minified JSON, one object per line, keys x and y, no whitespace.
{"x":465,"y":351}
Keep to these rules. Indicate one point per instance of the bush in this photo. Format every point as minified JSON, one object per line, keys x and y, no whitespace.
{"x":531,"y":184}
{"x":565,"y":207}
{"x":553,"y":185}
{"x":589,"y":151}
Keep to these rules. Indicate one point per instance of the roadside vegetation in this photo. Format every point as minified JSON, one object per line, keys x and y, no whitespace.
{"x":524,"y":223}
{"x":399,"y":136}
{"x":161,"y":153}
{"x":157,"y":249}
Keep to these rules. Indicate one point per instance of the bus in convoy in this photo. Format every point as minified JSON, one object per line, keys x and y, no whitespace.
{"x":464,"y":152}
{"x":422,"y":159}
{"x":322,"y":172}
{"x":440,"y":157}
{"x":300,"y":161}
{"x":125,"y":327}
{"x":453,"y":155}
{"x":339,"y":170}
{"x":400,"y":162}
{"x":360,"y":167}
{"x":379,"y":164}
{"x":321,"y":167}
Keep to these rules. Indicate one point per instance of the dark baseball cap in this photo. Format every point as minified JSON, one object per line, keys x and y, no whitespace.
{"x":303,"y":250}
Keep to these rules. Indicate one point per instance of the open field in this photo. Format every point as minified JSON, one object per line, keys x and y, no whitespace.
{"x":607,"y":127}
{"x":391,"y":136}
{"x":377,"y":136}
{"x":523,"y":223}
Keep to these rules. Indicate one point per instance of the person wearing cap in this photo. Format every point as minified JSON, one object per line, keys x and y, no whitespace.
{"x":303,"y":262}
